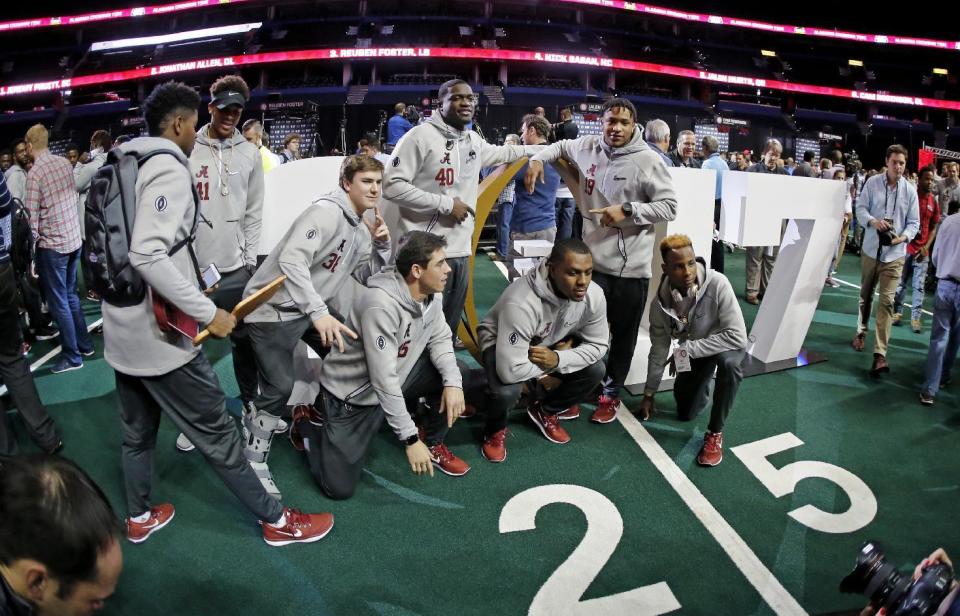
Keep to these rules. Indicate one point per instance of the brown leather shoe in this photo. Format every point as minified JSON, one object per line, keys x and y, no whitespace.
{"x":879,"y":365}
{"x":858,"y":341}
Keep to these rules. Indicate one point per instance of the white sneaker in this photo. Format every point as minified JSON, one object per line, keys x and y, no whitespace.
{"x":184,"y":444}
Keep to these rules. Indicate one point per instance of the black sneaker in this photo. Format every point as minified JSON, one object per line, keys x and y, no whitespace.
{"x":926,"y":399}
{"x":46,"y":333}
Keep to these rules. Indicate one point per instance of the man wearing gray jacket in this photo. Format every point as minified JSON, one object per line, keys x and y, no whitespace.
{"x":404,"y":352}
{"x":625,"y":189}
{"x":162,"y":371}
{"x":229,"y":178}
{"x":433,"y":180}
{"x":697,"y":307}
{"x":325,"y":252}
{"x":548,"y":330}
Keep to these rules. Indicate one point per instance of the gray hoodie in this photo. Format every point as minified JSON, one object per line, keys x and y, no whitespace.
{"x":82,"y":176}
{"x":608,"y":176}
{"x":229,"y":231}
{"x":715,"y":323}
{"x":326,"y":245}
{"x":432,"y":164}
{"x":394,"y":331}
{"x":166,"y":203}
{"x":529,"y":313}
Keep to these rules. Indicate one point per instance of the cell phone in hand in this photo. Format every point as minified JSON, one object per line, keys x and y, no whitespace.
{"x":211,"y":276}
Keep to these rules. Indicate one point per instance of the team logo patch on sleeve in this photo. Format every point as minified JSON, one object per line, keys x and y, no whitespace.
{"x":381,"y":343}
{"x":396,"y":161}
{"x":514,"y":338}
{"x":312,"y":233}
{"x":160,"y":204}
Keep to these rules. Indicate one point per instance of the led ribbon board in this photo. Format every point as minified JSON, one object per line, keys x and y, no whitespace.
{"x":461,"y":53}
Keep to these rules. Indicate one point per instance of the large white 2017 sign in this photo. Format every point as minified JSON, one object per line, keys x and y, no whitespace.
{"x":754,"y":208}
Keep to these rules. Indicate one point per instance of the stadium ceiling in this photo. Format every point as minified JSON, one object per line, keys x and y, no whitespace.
{"x":544,"y":57}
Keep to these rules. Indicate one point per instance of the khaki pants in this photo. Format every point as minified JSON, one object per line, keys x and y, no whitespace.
{"x":760,"y":268}
{"x":882,"y":278}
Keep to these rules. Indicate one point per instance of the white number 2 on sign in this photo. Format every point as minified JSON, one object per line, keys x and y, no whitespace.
{"x":560,"y":594}
{"x":783,"y":481}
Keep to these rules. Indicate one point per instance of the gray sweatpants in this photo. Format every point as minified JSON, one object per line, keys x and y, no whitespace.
{"x":337,"y":448}
{"x":273,"y":345}
{"x":193,"y":400}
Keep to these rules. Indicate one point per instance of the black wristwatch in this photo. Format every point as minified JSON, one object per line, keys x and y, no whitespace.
{"x":627,"y":209}
{"x":412,"y":440}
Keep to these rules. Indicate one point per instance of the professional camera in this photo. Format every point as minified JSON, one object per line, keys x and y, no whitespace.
{"x":879,"y":581}
{"x":887,"y":237}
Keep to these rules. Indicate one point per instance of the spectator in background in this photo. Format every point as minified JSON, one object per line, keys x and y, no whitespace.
{"x":948,"y":189}
{"x":844,"y":228}
{"x":291,"y":148}
{"x":253,"y":132}
{"x":51,"y":200}
{"x":832,"y":165}
{"x":712,"y":160}
{"x":83,"y":175}
{"x":915,"y":264}
{"x":945,"y":332}
{"x":16,"y":175}
{"x":540,"y":111}
{"x":566,"y":128}
{"x":370,"y":147}
{"x":683,"y":156}
{"x":14,"y":369}
{"x":397,"y":126}
{"x":887,"y":205}
{"x":805,"y":168}
{"x":72,"y":154}
{"x":59,"y":539}
{"x":121,"y":139}
{"x":825,"y":172}
{"x":534,"y":215}
{"x":761,"y":259}
{"x":657,"y":135}
{"x":6,"y":160}
{"x":789,"y":165}
{"x":505,"y":207}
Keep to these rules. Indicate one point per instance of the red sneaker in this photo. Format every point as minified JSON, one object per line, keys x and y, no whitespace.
{"x":493,"y":448}
{"x":570,"y":414}
{"x":606,"y":409}
{"x":712,"y":452}
{"x":299,"y":528}
{"x":444,"y":459}
{"x":160,"y":516}
{"x":548,"y":424}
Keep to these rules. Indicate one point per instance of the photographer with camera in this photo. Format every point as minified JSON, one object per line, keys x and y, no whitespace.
{"x":930,"y":591}
{"x":889,"y":209}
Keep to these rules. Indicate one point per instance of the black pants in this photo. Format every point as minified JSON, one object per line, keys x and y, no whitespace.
{"x":691,"y":389}
{"x":228,"y":294}
{"x":32,"y":299}
{"x":15,"y":372}
{"x":274,"y":344}
{"x":191,"y":397}
{"x":337,"y":446}
{"x":502,"y":397}
{"x":626,"y":298}
{"x":716,"y":247}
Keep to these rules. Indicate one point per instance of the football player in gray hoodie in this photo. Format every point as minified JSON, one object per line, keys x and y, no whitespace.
{"x":549,"y":330}
{"x":324,"y":253}
{"x":404,"y":351}
{"x":626,"y":189}
{"x":160,"y":371}
{"x":229,"y":178}
{"x":697,"y":307}
{"x":433,"y":180}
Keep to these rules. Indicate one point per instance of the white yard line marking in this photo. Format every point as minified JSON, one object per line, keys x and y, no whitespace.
{"x":51,"y":354}
{"x":761,"y":578}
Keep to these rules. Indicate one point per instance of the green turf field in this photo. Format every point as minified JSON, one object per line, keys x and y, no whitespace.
{"x":694,"y":540}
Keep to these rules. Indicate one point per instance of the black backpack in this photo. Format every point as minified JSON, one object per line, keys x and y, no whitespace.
{"x":21,"y":238}
{"x":110,"y":210}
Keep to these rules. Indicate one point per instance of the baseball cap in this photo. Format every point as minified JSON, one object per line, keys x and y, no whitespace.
{"x":225,"y":98}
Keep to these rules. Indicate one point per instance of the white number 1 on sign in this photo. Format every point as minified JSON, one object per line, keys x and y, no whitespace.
{"x":560,"y":594}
